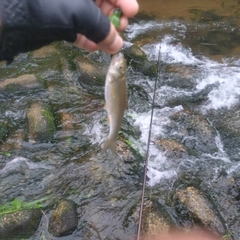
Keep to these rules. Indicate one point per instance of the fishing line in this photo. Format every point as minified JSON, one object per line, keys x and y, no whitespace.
{"x":148,"y":146}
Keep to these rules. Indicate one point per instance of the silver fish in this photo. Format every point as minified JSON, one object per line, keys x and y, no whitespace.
{"x":115,"y":99}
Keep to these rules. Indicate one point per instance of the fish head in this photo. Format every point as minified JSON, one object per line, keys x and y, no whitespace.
{"x":118,"y":65}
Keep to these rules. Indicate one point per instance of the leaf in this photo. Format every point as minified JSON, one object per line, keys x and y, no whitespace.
{"x":16,"y":203}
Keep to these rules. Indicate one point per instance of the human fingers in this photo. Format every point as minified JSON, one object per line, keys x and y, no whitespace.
{"x":128,"y":7}
{"x":83,"y":42}
{"x":112,"y":43}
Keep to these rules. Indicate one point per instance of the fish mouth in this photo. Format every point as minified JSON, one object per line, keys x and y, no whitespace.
{"x":117,"y":57}
{"x":118,"y":60}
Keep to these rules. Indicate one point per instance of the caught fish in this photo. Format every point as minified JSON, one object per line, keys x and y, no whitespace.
{"x":115,"y":99}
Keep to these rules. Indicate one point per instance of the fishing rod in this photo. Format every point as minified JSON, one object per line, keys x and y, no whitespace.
{"x":148,"y":147}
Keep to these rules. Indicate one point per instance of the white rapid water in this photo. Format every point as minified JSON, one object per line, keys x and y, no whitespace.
{"x":224,"y":94}
{"x":225,"y":75}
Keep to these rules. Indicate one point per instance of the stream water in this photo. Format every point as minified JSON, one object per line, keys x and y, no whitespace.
{"x":199,"y":73}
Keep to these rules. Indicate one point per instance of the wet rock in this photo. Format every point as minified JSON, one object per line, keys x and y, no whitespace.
{"x":92,"y":73}
{"x":135,"y":52}
{"x":26,"y":80}
{"x":40,"y":122}
{"x":180,"y":76}
{"x":228,"y":124}
{"x":195,"y":132}
{"x":226,"y":191}
{"x":64,"y":219}
{"x":44,"y":51}
{"x":4,"y":129}
{"x":6,"y":126}
{"x":153,"y":223}
{"x":172,"y":148}
{"x":201,"y":209}
{"x":138,"y":60}
{"x":20,"y":224}
{"x":14,"y":140}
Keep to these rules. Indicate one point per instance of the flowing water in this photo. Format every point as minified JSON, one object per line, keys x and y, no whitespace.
{"x":199,"y":73}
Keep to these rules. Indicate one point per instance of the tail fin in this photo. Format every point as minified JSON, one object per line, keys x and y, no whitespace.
{"x":109,"y":144}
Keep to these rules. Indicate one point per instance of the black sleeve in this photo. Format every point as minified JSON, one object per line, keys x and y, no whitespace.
{"x":30,"y":24}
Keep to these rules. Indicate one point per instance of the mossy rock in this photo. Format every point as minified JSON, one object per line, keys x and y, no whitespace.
{"x":20,"y":224}
{"x":6,"y":126}
{"x":41,"y":126}
{"x":20,"y":82}
{"x":136,"y":53}
{"x":137,"y":58}
{"x":64,"y":219}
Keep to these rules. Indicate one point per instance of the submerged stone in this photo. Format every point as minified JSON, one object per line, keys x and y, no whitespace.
{"x":152,"y":222}
{"x":6,"y":126}
{"x":19,"y":224}
{"x":201,"y":209}
{"x":64,"y":219}
{"x":195,"y":132}
{"x":92,"y":73}
{"x":14,"y":140}
{"x":41,"y":125}
{"x":26,"y":80}
{"x":172,"y":148}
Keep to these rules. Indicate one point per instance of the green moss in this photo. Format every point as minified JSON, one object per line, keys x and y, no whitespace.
{"x":50,"y":120}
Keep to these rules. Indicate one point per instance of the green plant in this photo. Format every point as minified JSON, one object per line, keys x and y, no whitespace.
{"x":227,"y":236}
{"x":17,"y":204}
{"x":5,"y":154}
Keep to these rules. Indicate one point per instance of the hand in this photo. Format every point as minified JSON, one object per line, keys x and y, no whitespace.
{"x":28,"y":25}
{"x":113,"y":42}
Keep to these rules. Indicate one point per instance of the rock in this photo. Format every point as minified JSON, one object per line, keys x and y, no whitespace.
{"x":154,"y":225}
{"x":40,"y":122}
{"x":27,"y":81}
{"x":195,"y":132}
{"x":138,"y":60}
{"x":172,"y":148}
{"x":14,"y":140}
{"x":179,"y":76}
{"x":20,"y":224}
{"x":3,"y":130}
{"x":136,"y":53}
{"x":92,"y":73}
{"x":6,"y":126}
{"x":152,"y":222}
{"x":201,"y":209}
{"x":64,"y":219}
{"x":228,"y":124}
{"x":44,"y":51}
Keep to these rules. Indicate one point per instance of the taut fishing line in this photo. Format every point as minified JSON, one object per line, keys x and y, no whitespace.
{"x":148,"y":146}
